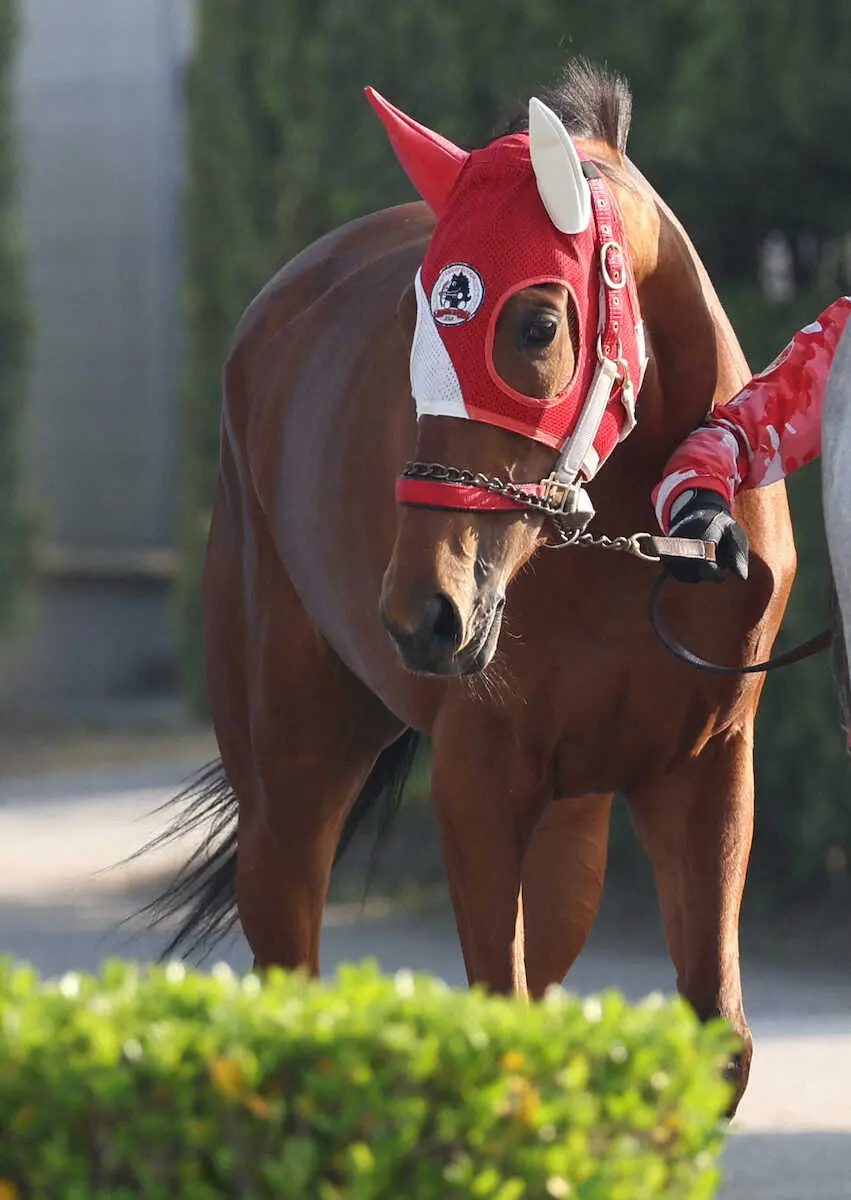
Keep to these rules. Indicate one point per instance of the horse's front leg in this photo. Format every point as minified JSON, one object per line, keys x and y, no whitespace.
{"x":696,"y":823}
{"x":487,"y":796}
{"x":563,"y":875}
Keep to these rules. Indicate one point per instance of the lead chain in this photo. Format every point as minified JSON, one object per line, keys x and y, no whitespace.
{"x":627,"y":545}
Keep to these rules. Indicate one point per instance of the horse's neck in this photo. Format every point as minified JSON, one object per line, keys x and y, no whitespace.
{"x":696,"y":360}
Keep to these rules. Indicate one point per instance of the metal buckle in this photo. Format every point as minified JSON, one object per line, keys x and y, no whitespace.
{"x":618,"y":359}
{"x":563,"y":496}
{"x":643,"y":545}
{"x":604,"y":266}
{"x":572,"y":505}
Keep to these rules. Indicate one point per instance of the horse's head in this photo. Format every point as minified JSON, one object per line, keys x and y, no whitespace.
{"x":526,"y":354}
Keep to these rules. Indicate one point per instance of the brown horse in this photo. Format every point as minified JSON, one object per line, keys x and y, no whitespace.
{"x":311,"y":562}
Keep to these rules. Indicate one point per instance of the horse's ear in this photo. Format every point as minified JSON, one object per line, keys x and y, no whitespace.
{"x":561,"y":184}
{"x":431,"y":162}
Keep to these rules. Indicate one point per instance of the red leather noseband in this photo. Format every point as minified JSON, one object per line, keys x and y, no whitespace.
{"x":438,"y":493}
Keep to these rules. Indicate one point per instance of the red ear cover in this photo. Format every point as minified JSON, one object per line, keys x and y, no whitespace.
{"x":431,"y":161}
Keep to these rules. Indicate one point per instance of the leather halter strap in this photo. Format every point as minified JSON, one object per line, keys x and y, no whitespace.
{"x":813,"y":645}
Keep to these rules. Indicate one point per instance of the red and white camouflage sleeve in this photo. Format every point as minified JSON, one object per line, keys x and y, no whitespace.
{"x":769,"y":429}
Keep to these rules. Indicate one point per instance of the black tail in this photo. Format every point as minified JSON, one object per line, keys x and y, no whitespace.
{"x":203,"y":894}
{"x":385,"y":786}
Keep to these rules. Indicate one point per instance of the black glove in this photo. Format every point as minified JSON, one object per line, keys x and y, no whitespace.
{"x":705,"y":515}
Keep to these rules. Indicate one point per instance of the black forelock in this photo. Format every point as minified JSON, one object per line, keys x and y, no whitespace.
{"x":591,"y":101}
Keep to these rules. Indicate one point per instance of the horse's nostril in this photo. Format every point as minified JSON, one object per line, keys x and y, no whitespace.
{"x":444,"y":621}
{"x":429,"y":636}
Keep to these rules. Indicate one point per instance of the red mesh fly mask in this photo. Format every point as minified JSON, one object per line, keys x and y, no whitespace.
{"x":525,"y":210}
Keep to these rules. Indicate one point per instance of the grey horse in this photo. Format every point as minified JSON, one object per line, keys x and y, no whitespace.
{"x":836,"y":496}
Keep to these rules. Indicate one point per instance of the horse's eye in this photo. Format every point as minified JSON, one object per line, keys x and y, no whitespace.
{"x":536,"y":332}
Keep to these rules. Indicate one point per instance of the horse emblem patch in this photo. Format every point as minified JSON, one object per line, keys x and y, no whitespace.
{"x":457,"y":294}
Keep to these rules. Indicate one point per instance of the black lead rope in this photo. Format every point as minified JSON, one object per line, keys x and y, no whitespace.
{"x":813,"y":646}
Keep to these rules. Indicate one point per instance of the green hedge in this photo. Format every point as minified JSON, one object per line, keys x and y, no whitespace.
{"x":15,"y":525}
{"x":169,"y":1084}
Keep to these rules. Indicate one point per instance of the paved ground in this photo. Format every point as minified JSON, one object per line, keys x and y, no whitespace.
{"x":61,"y":907}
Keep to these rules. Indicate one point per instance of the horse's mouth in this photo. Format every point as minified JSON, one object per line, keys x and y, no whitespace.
{"x":433,"y":651}
{"x":474,"y":656}
{"x":477,"y":655}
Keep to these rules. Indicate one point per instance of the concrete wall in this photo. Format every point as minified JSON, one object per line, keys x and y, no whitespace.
{"x":100,"y":117}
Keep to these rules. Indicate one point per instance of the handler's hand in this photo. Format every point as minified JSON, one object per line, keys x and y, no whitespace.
{"x":704,"y":514}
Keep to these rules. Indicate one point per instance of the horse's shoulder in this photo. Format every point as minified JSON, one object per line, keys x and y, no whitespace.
{"x":347,"y":250}
{"x":281,"y":329}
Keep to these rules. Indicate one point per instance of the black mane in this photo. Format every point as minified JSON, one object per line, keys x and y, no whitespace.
{"x":591,"y":101}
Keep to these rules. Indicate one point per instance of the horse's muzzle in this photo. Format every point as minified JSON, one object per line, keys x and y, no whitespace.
{"x":436,"y":646}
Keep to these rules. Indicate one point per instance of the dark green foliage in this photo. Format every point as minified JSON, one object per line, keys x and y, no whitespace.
{"x":747,"y":136}
{"x":15,"y":527}
{"x":173,"y":1085}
